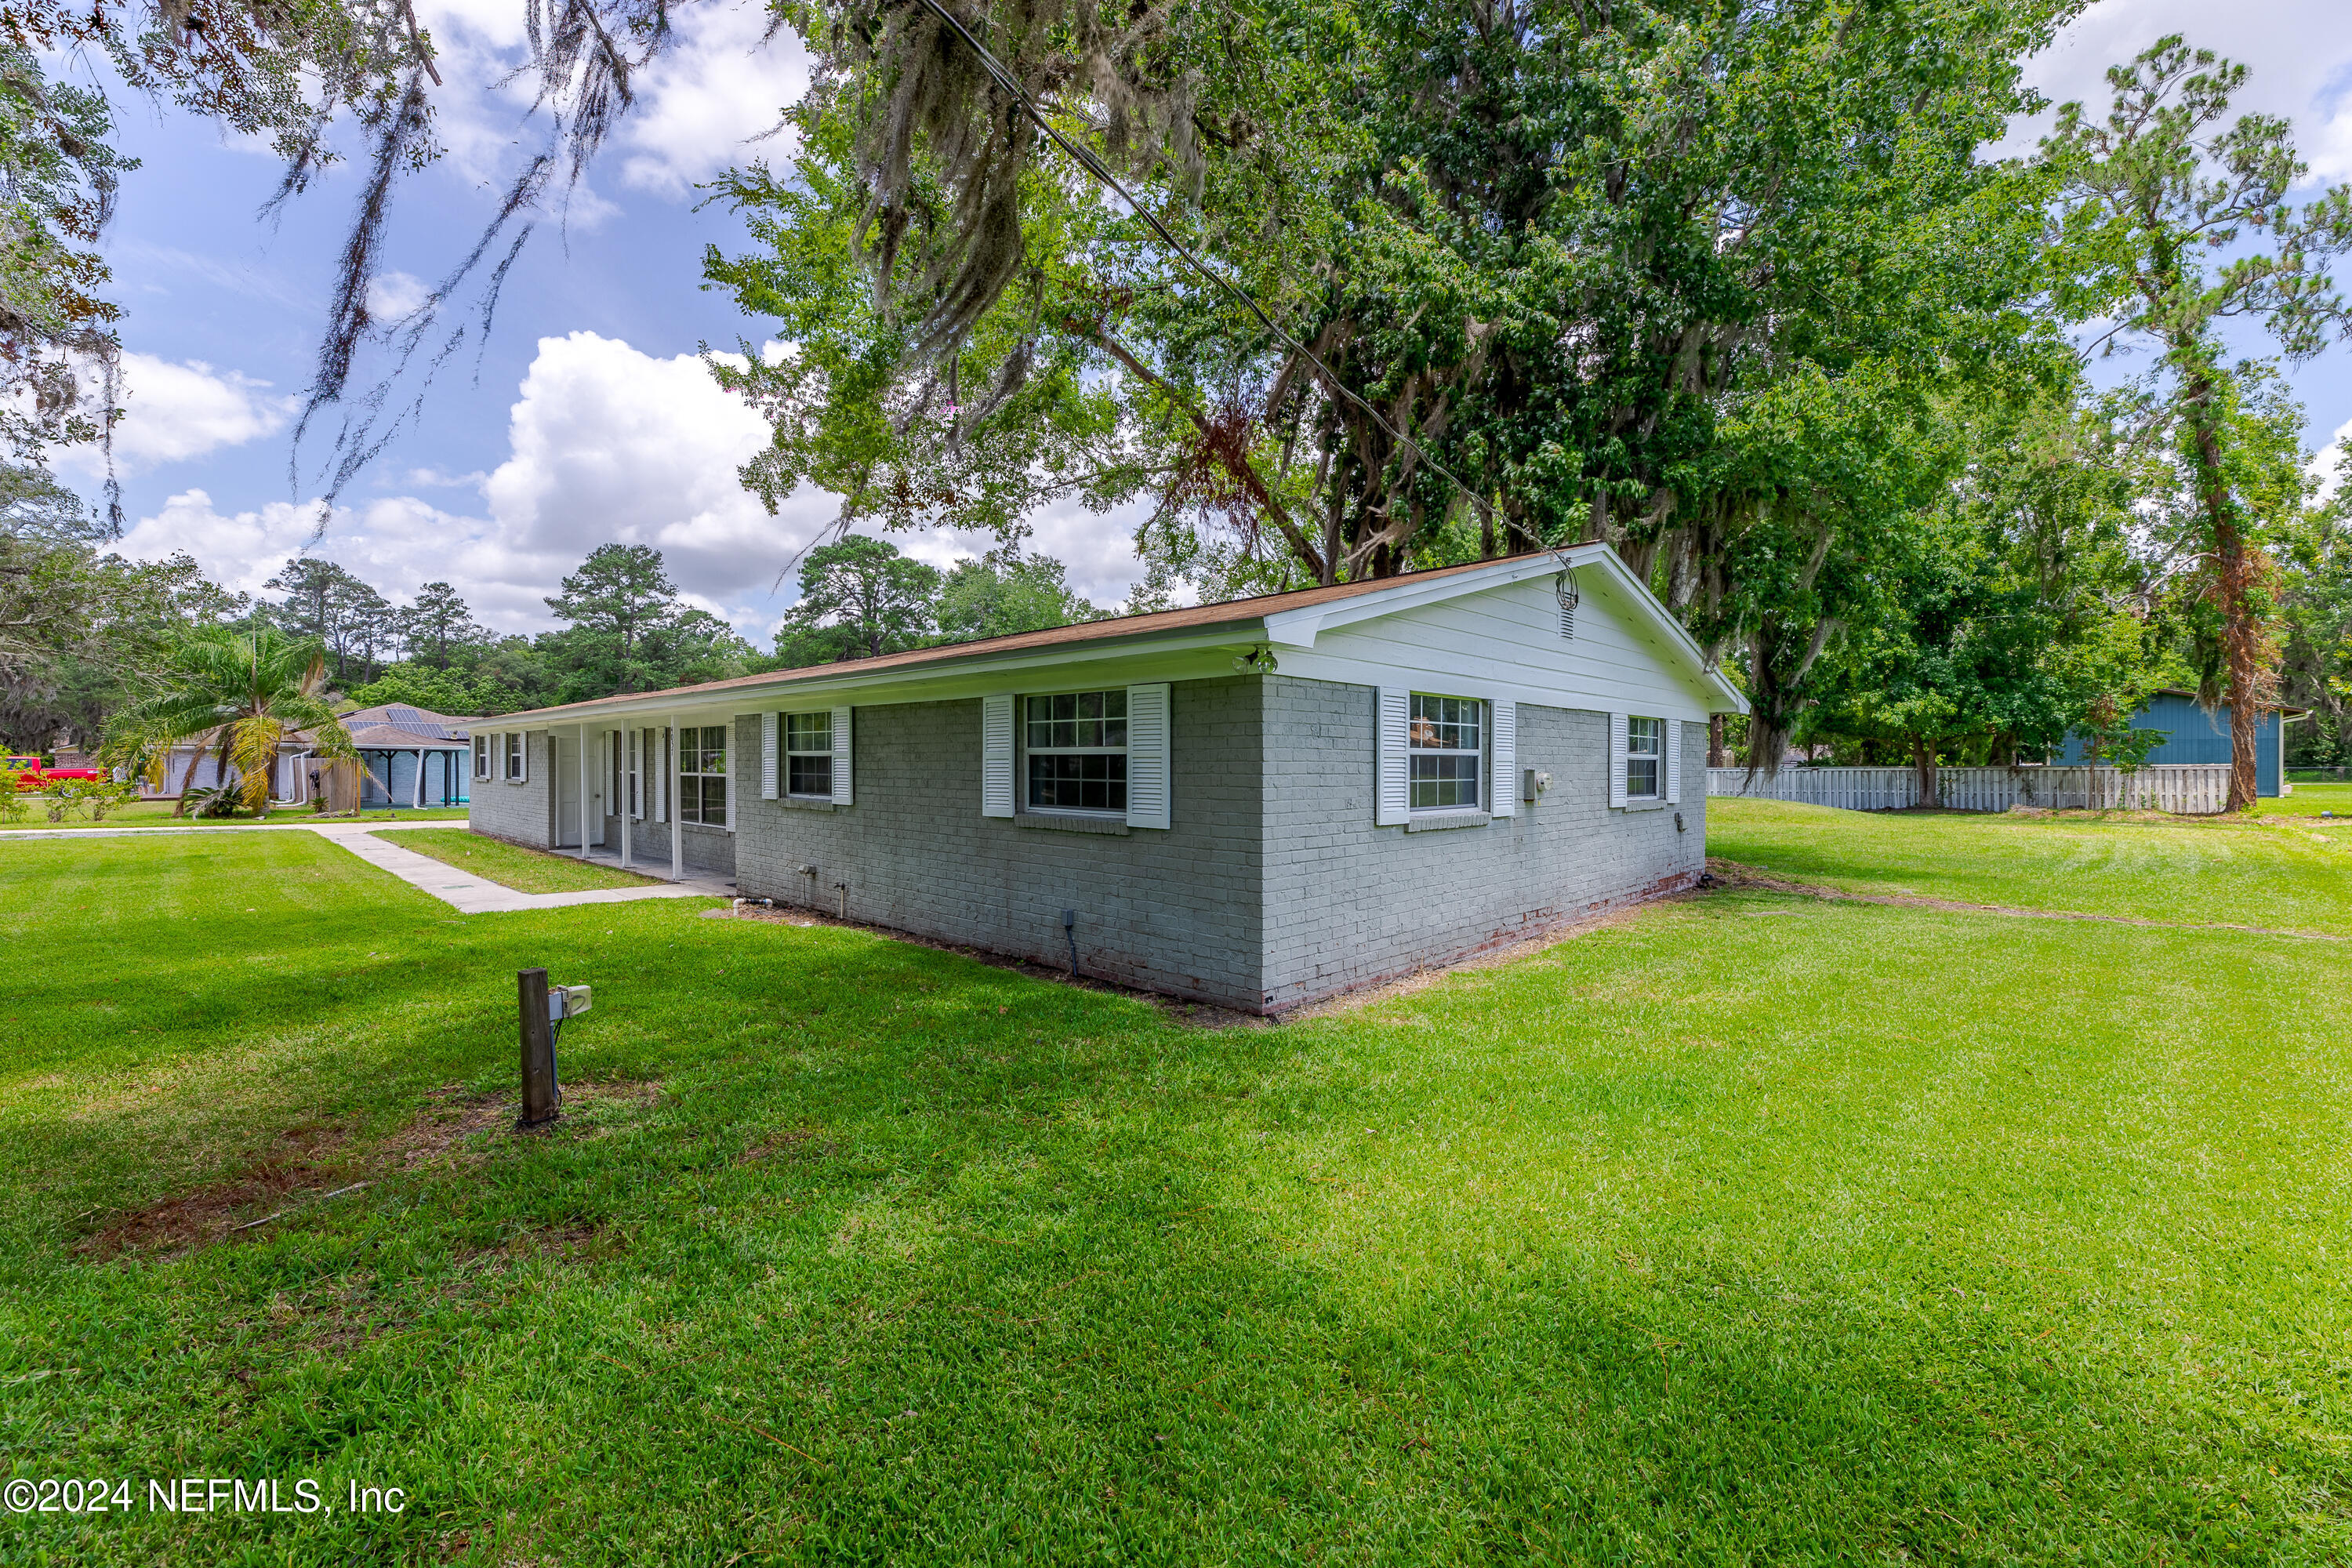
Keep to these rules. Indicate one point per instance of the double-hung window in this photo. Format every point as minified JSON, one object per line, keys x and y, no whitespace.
{"x":514,"y":757}
{"x":481,"y":756}
{"x":808,"y":754}
{"x":1645,"y":752}
{"x":1076,"y":747}
{"x":702,"y":775}
{"x":1445,"y":742}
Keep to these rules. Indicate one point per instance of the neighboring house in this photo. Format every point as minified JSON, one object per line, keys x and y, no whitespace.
{"x":2193,"y":735}
{"x":1256,"y":804}
{"x":408,"y":757}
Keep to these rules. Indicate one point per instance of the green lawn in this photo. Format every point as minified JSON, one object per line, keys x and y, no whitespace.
{"x":2310,"y":800}
{"x":2192,"y":871}
{"x":1752,"y":1228}
{"x":158,"y":813}
{"x":511,"y":865}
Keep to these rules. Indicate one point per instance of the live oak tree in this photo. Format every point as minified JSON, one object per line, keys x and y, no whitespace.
{"x":2170,"y":220}
{"x":1675,"y":277}
{"x":1004,"y":592}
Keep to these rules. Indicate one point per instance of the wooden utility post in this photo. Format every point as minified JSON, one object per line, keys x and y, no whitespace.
{"x":538,"y":1050}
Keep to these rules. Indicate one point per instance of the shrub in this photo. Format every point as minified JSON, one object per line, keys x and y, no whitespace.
{"x":104,"y":795}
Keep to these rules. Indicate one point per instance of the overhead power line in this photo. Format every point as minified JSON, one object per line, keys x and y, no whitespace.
{"x":1101,"y":172}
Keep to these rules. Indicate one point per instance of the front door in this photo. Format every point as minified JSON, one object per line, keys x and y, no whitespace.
{"x":567,"y":792}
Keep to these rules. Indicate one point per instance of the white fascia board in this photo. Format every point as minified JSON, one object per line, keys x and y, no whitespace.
{"x":1298,"y":628}
{"x":1194,"y":656}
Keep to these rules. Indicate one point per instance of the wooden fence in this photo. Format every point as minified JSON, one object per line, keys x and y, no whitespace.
{"x":2191,"y":789}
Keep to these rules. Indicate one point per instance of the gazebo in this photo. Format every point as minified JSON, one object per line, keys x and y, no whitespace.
{"x":410,"y":757}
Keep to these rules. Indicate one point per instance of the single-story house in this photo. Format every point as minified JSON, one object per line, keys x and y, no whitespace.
{"x":2193,"y":735}
{"x":1256,"y":804}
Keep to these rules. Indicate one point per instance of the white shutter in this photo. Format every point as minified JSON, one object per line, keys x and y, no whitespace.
{"x":1147,"y":755}
{"x":524,"y":755}
{"x":1392,"y":804}
{"x":1506,"y":754}
{"x":1617,"y":759}
{"x":1674,"y":762}
{"x":767,"y":756}
{"x":841,"y":756}
{"x":996,"y":755}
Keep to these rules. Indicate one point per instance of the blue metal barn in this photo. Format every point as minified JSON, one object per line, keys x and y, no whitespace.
{"x":2193,"y":735}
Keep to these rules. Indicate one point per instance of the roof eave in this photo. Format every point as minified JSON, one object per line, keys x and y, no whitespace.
{"x":850,"y":675}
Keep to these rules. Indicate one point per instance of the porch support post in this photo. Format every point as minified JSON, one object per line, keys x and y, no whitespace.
{"x":677,"y":817}
{"x":584,"y":792}
{"x":631,"y":778}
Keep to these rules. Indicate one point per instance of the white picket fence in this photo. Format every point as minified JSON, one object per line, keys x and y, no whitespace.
{"x":2188,"y":789}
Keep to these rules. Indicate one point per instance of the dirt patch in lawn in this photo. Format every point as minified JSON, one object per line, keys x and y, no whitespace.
{"x":314,"y":1163}
{"x":306,"y":1158}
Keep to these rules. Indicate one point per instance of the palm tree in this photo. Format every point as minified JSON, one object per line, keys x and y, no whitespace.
{"x":235,"y":694}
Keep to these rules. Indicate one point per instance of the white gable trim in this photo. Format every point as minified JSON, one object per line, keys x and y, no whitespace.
{"x":1300,"y":628}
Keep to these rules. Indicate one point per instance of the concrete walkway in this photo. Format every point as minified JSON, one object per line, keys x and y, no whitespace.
{"x":461,"y":890}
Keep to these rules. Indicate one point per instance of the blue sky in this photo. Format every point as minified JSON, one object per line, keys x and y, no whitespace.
{"x":587,"y":417}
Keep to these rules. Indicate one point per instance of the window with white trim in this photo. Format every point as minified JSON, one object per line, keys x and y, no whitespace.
{"x":1445,"y":744}
{"x":1076,"y":747}
{"x":808,"y":754}
{"x":1646,"y":754}
{"x":481,"y":756}
{"x":702,"y":775}
{"x":514,"y":756}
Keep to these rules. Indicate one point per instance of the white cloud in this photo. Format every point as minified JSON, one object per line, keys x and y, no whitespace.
{"x":724,"y":84}
{"x":2300,"y":53}
{"x":605,"y":445}
{"x":172,"y":412}
{"x":2327,"y":465}
{"x":241,"y":551}
{"x":392,"y":295}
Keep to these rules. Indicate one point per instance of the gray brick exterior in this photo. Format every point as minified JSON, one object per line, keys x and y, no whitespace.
{"x":1271,"y":888}
{"x":1175,"y":911}
{"x":518,"y":813}
{"x":1347,"y":903}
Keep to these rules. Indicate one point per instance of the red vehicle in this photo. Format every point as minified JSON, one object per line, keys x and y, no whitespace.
{"x":32,"y":776}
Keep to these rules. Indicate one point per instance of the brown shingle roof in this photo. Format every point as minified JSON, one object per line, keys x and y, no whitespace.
{"x":1158,"y":623}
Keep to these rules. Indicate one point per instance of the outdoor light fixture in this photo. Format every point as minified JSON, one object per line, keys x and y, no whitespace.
{"x":1564,"y":588}
{"x":1259,"y":661}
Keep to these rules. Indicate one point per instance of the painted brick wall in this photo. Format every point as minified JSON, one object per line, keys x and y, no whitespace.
{"x":1174,"y":911}
{"x":516,"y":812}
{"x":1347,"y":903}
{"x":707,"y":849}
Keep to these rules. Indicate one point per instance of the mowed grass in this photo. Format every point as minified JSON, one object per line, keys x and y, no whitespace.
{"x":2310,"y":800}
{"x":1751,"y":1228}
{"x":158,"y":813}
{"x":512,"y":865}
{"x":2190,"y":871}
